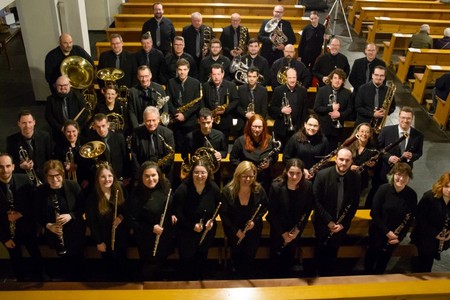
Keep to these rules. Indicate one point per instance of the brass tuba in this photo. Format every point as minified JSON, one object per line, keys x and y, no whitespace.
{"x":378,"y":123}
{"x":277,"y":37}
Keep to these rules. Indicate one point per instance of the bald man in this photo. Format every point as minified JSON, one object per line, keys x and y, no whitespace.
{"x":234,"y":38}
{"x":303,"y":75}
{"x":54,"y":58}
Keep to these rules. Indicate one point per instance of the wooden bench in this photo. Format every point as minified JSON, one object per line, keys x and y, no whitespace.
{"x":369,"y":14}
{"x":427,"y":79}
{"x":357,"y":4}
{"x":421,"y":57}
{"x":214,"y":9}
{"x":384,"y":25}
{"x":181,"y":20}
{"x":399,"y":41}
{"x":442,"y":112}
{"x":281,"y":2}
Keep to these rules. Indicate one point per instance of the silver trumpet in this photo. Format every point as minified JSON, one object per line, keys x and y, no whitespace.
{"x":31,"y":173}
{"x":332,"y":100}
{"x":288,"y":117}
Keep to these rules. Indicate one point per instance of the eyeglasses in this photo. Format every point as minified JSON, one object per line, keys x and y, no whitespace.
{"x":247,"y":176}
{"x":54,"y":176}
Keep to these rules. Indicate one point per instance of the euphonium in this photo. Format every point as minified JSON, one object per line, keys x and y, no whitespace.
{"x":216,"y":117}
{"x":378,"y":123}
{"x":167,"y":119}
{"x":287,"y":117}
{"x":277,"y":37}
{"x":31,"y":173}
{"x":169,"y":156}
{"x":70,"y":174}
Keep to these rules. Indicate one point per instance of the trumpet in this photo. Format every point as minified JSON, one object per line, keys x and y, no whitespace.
{"x":113,"y":230}
{"x":287,"y":117}
{"x":70,"y":174}
{"x":61,"y":250}
{"x":161,"y":223}
{"x":31,"y":173}
{"x":247,"y":225}
{"x":333,"y":100}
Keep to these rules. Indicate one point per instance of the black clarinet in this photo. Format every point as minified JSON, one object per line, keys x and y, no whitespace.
{"x":398,"y":230}
{"x":298,"y":227}
{"x":339,"y":221}
{"x":61,"y":247}
{"x":442,"y":234}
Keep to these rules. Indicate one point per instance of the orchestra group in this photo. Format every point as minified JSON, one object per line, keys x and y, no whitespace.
{"x":107,"y":166}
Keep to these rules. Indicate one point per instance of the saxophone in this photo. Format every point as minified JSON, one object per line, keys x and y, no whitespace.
{"x":216,"y":117}
{"x":207,"y":33}
{"x":167,"y":119}
{"x":243,"y":34}
{"x":378,"y":123}
{"x":161,"y":101}
{"x":169,"y":156}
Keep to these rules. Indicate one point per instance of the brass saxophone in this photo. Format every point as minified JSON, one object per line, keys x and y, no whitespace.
{"x":61,"y":250}
{"x":167,"y":119}
{"x":169,"y":157}
{"x":247,"y":225}
{"x":71,"y":174}
{"x":378,"y":123}
{"x":161,"y":101}
{"x":207,"y":37}
{"x":287,"y":118}
{"x":31,"y":173}
{"x":216,"y":117}
{"x":398,"y":229}
{"x":243,"y":34}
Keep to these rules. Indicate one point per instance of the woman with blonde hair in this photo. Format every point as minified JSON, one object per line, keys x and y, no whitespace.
{"x":244,"y":202}
{"x":432,"y":231}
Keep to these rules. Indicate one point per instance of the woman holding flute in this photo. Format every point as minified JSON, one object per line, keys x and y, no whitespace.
{"x":105,"y":214}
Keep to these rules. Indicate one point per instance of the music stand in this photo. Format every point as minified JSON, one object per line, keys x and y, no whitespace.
{"x":335,"y":6}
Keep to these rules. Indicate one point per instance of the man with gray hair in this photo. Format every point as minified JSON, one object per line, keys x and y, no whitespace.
{"x":422,"y":39}
{"x":443,"y":43}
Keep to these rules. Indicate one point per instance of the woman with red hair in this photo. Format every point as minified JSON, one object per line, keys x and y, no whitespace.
{"x":256,"y":146}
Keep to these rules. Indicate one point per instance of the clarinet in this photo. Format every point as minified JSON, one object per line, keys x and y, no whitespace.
{"x":247,"y":225}
{"x":161,"y":222}
{"x":442,"y":234}
{"x":339,"y":221}
{"x":205,"y":232}
{"x":398,"y":229}
{"x":298,"y":227}
{"x":61,"y":249}
{"x":12,"y":224}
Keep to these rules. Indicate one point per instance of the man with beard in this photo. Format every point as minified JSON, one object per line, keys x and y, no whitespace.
{"x":214,"y":57}
{"x":327,"y":62}
{"x":161,"y":29}
{"x":253,"y":59}
{"x":152,"y":58}
{"x":177,"y":53}
{"x":288,"y":61}
{"x":144,"y":94}
{"x":65,"y":104}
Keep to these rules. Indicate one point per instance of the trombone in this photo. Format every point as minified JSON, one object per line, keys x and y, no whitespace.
{"x":31,"y":173}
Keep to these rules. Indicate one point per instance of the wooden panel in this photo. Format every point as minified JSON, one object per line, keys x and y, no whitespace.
{"x":442,"y":112}
{"x":431,"y":74}
{"x":385,"y":25}
{"x":214,"y":9}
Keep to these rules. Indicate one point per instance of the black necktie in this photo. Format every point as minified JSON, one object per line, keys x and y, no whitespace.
{"x":340,"y":195}
{"x":376,"y":102}
{"x":30,"y":148}
{"x":9,"y":196}
{"x":368,"y":72}
{"x":197,"y":44}
{"x":117,"y":62}
{"x":235,"y":38}
{"x":65,"y":109}
{"x":152,"y":145}
{"x":147,"y":59}
{"x":403,"y":143}
{"x":158,"y":35}
{"x":108,"y":149}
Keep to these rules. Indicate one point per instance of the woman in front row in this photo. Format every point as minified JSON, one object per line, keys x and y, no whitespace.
{"x":105,"y":213}
{"x":195,"y":202}
{"x":149,"y":200}
{"x":432,"y":231}
{"x":244,"y":202}
{"x":291,"y":201}
{"x":393,"y":211}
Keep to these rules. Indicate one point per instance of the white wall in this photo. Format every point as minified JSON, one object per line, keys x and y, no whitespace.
{"x":100,"y":13}
{"x":4,"y":3}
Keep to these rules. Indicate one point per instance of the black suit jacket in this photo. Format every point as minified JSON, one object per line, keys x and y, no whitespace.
{"x":260,"y":97}
{"x":327,"y":63}
{"x":262,"y":64}
{"x":190,"y":37}
{"x":171,"y":65}
{"x":357,"y":76}
{"x":364,"y":102}
{"x":138,"y":101}
{"x":264,"y":37}
{"x":227,"y":40}
{"x":127,"y":65}
{"x":196,"y":139}
{"x":21,"y":189}
{"x":167,"y":33}
{"x":43,"y":147}
{"x":156,"y":64}
{"x":303,"y":74}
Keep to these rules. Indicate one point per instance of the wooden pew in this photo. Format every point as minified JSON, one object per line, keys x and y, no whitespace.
{"x":427,"y":79}
{"x":181,"y":20}
{"x":384,"y":25}
{"x":421,"y":57}
{"x":369,"y":14}
{"x":442,"y":112}
{"x":214,"y":9}
{"x":357,"y":4}
{"x":399,"y":41}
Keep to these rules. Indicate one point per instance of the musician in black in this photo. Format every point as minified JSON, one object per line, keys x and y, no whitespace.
{"x":282,"y":64}
{"x":393,"y":211}
{"x":214,"y":57}
{"x":290,"y":204}
{"x":312,"y":41}
{"x":59,"y":208}
{"x":106,"y":209}
{"x":37,"y":144}
{"x":244,"y":202}
{"x":177,"y":53}
{"x":221,"y":97}
{"x":254,"y":59}
{"x":65,"y":104}
{"x":336,"y":195}
{"x":431,"y":233}
{"x":153,"y":58}
{"x":308,"y":144}
{"x":234,"y":38}
{"x":17,"y":222}
{"x":197,"y":37}
{"x":333,"y":105}
{"x":252,"y":99}
{"x":161,"y":29}
{"x":327,"y":62}
{"x":288,"y":107}
{"x":195,"y":202}
{"x":256,"y":145}
{"x":144,"y":94}
{"x":153,"y":142}
{"x":183,"y":90}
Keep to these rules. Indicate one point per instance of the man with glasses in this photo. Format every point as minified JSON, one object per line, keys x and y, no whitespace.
{"x":234,"y":38}
{"x":177,"y":53}
{"x":270,"y":49}
{"x":151,"y":57}
{"x":214,"y":57}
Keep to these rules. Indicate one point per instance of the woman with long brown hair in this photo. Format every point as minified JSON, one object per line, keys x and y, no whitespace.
{"x":432,"y":231}
{"x":105,"y":213}
{"x":244,"y":202}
